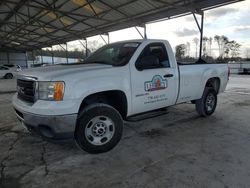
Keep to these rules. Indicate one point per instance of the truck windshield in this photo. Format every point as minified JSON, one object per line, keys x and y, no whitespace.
{"x":117,"y":54}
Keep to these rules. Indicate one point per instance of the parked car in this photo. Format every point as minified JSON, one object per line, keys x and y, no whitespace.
{"x":17,"y":67}
{"x":8,"y":71}
{"x":88,"y":101}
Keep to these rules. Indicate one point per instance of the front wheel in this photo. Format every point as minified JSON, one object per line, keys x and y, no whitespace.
{"x":99,"y":128}
{"x":207,"y":104}
{"x":8,"y":76}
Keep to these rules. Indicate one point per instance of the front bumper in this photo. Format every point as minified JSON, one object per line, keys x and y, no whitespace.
{"x":49,"y":126}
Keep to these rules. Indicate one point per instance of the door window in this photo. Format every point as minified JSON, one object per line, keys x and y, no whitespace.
{"x":155,"y":51}
{"x":3,"y":68}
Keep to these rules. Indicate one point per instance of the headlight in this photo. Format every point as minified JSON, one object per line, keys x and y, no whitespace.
{"x":53,"y":91}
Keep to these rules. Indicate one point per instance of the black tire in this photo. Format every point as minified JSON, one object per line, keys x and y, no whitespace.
{"x":203,"y":106}
{"x":84,"y":124}
{"x":8,"y":76}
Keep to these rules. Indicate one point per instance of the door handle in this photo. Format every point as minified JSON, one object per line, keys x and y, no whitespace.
{"x":168,"y":75}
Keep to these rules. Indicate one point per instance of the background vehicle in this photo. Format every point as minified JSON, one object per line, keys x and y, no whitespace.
{"x":17,"y":67}
{"x":120,"y":81}
{"x":8,"y":71}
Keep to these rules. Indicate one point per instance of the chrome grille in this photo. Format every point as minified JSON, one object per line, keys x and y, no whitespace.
{"x":26,"y":90}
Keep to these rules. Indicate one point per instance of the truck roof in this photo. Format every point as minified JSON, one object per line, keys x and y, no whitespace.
{"x":140,"y":40}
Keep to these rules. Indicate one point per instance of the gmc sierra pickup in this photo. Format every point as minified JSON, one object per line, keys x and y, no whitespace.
{"x":88,"y":101}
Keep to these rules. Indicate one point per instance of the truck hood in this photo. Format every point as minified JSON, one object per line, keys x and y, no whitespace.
{"x":58,"y":71}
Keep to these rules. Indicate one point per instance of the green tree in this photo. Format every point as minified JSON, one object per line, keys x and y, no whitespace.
{"x":180,"y":51}
{"x":210,"y":42}
{"x":222,"y":44}
{"x":233,"y":48}
{"x":196,"y":42}
{"x":204,"y":46}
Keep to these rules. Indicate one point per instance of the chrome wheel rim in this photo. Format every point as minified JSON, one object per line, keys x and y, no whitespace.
{"x":99,"y":130}
{"x":210,"y":102}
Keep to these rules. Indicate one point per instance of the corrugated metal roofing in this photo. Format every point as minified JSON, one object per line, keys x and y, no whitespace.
{"x":27,"y":25}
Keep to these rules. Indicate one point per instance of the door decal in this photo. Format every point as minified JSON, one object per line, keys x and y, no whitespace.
{"x":157,"y":83}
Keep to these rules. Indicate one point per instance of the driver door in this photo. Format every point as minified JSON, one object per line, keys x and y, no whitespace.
{"x":154,"y":82}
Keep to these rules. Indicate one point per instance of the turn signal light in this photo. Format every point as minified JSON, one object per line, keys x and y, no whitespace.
{"x":58,"y":91}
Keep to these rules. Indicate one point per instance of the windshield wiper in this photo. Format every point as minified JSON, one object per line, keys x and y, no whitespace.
{"x":98,"y":62}
{"x":88,"y":62}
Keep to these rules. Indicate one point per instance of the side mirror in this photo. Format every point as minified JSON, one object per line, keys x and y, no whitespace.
{"x":148,"y":62}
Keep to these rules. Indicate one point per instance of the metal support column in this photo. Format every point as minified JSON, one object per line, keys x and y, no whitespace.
{"x":103,"y":39}
{"x":67,"y":55}
{"x":86,"y":48}
{"x":145,"y":31}
{"x":33,"y":57}
{"x":200,"y":27}
{"x":107,"y":34}
{"x":139,"y":32}
{"x":52,"y":53}
{"x":108,"y":38}
{"x":201,"y":33}
{"x":26,"y":59}
{"x":42,"y":55}
{"x":8,"y":57}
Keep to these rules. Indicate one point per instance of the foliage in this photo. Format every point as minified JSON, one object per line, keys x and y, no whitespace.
{"x":180,"y":51}
{"x":196,"y":42}
{"x":228,"y":50}
{"x":222,"y":42}
{"x":233,"y":48}
{"x":226,"y":47}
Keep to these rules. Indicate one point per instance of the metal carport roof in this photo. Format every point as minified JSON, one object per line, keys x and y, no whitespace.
{"x":28,"y":25}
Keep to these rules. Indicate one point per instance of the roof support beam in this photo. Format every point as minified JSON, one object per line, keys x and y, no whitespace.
{"x":52,"y":54}
{"x":107,"y":34}
{"x":87,"y":52}
{"x":143,"y":35}
{"x":41,"y":55}
{"x":17,"y":7}
{"x":32,"y":55}
{"x":83,"y":45}
{"x":66,"y":51}
{"x":67,"y":54}
{"x":25,"y":20}
{"x":200,"y":27}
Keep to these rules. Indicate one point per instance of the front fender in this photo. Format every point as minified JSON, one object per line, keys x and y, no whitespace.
{"x":84,"y":88}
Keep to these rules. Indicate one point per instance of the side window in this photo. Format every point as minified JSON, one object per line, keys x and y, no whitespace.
{"x":155,"y":51}
{"x":3,"y":68}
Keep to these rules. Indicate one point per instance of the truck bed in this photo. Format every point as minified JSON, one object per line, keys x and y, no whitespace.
{"x":193,"y":77}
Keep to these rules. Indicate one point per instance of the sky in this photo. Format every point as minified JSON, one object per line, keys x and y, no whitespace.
{"x":232,"y":21}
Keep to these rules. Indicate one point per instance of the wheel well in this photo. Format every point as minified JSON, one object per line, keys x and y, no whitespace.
{"x":8,"y":73}
{"x":214,"y":83}
{"x":114,"y":98}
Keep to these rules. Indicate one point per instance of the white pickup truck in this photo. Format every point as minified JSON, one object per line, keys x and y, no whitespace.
{"x":88,"y":101}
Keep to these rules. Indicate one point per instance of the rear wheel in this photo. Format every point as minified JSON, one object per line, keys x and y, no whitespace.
{"x":8,"y":76}
{"x":99,"y":128}
{"x":207,"y":104}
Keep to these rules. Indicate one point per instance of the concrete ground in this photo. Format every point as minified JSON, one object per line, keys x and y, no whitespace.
{"x":7,"y":86}
{"x":179,"y":149}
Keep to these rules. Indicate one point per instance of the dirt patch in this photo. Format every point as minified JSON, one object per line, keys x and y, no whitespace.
{"x":184,"y":120}
{"x":244,"y":103}
{"x":152,"y":133}
{"x":10,"y":183}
